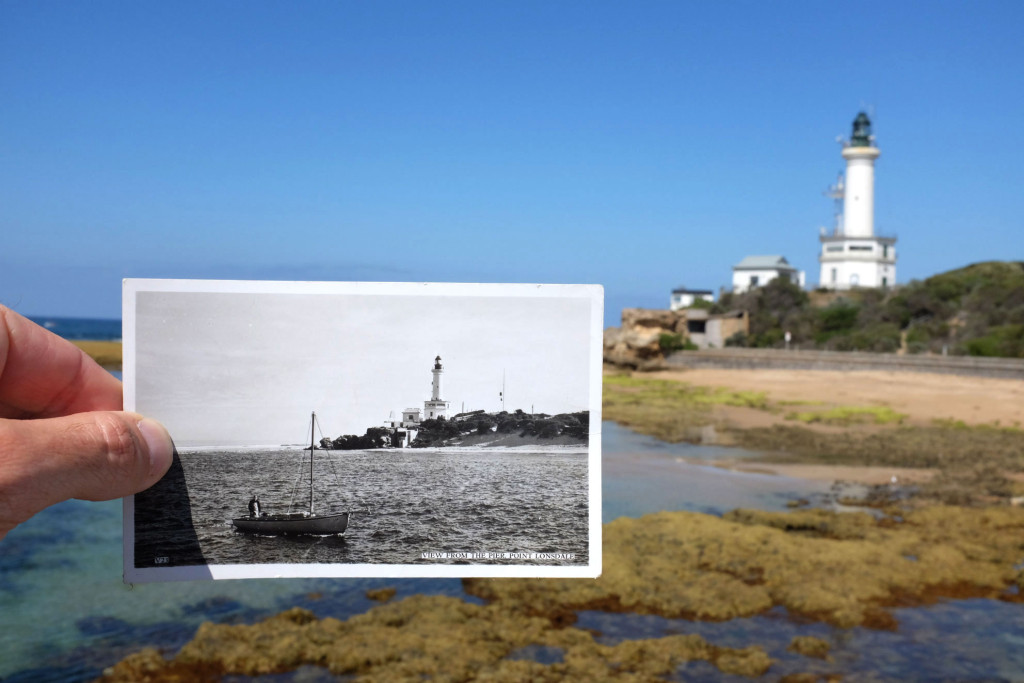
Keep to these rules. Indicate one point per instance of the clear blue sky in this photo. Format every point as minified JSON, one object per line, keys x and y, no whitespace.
{"x":636,"y":145}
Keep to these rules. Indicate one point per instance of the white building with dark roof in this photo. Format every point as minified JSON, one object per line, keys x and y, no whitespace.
{"x":757,"y":271}
{"x":684,"y":298}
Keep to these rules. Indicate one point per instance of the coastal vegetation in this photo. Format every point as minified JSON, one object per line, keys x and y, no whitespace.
{"x":977,"y":310}
{"x":443,"y":432}
{"x":848,"y":415}
{"x":675,"y":342}
{"x":455,"y":431}
{"x":375,"y":437}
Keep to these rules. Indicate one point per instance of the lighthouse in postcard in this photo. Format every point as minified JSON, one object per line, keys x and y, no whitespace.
{"x":436,"y":407}
{"x":853,"y":255}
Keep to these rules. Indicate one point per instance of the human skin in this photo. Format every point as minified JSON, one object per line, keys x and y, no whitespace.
{"x":63,"y":433}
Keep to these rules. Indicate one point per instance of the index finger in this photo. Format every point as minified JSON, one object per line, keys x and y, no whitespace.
{"x":43,"y":375}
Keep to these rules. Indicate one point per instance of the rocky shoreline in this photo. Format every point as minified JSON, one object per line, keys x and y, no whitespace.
{"x":841,"y":569}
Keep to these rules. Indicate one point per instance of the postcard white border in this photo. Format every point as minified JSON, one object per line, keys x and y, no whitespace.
{"x":594,"y":293}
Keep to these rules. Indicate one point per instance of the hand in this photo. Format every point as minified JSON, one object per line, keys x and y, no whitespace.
{"x":62,"y":431}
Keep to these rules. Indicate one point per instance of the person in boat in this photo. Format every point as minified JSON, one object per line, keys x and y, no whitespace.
{"x":254,"y":505}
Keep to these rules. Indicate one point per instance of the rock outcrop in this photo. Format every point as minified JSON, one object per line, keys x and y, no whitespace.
{"x":427,"y":638}
{"x":637,"y":344}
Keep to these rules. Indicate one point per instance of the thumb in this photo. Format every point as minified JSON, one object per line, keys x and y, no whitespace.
{"x":92,"y":456}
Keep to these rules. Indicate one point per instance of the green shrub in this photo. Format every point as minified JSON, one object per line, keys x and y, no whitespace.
{"x":671,"y":342}
{"x":703,"y":304}
{"x":838,"y":318}
{"x":737,"y":339}
{"x":880,"y":337}
{"x":918,"y":334}
{"x":917,"y":347}
{"x":768,"y":339}
{"x":1005,"y":341}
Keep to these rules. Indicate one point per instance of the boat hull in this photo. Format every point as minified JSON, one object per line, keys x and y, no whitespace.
{"x":293,"y":525}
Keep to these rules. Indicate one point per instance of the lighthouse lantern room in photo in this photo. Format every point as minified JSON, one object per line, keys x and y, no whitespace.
{"x":853,"y":255}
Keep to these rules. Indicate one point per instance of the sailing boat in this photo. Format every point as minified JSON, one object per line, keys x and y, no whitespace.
{"x":296,"y":524}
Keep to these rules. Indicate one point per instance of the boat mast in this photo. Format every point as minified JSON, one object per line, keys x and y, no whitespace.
{"x":312,"y":432}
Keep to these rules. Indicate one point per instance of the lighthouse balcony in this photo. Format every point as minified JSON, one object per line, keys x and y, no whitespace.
{"x":874,"y":256}
{"x":842,"y":237}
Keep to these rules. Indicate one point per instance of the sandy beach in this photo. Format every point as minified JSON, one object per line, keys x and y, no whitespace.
{"x":923,"y":397}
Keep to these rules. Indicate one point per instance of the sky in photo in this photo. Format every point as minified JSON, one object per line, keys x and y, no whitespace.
{"x":641,"y":146}
{"x":241,"y":368}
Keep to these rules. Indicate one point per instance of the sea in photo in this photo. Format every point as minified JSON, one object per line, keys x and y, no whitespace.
{"x":402,"y":503}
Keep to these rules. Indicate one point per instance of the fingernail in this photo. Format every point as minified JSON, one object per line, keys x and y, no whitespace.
{"x":159,"y":444}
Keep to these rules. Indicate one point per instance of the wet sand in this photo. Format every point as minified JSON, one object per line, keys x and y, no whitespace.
{"x":871,"y":476}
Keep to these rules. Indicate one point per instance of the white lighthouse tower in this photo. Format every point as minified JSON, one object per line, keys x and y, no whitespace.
{"x":435,"y":407}
{"x":853,"y":255}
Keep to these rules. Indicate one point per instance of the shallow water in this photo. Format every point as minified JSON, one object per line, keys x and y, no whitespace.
{"x":644,"y":475}
{"x":65,"y":615}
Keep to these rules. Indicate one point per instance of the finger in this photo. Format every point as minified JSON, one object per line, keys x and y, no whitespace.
{"x":92,"y":456}
{"x":43,"y":375}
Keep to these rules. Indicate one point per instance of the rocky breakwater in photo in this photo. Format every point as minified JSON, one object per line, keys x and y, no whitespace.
{"x":845,"y":570}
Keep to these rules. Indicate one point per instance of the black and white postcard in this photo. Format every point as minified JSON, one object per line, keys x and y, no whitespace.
{"x":366,"y":429}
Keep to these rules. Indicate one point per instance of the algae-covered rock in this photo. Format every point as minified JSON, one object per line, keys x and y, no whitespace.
{"x":809,"y":646}
{"x":810,"y":678}
{"x":820,"y":523}
{"x":426,"y":638}
{"x":839,"y":568}
{"x":753,"y":661}
{"x":836,"y":567}
{"x":381,"y":594}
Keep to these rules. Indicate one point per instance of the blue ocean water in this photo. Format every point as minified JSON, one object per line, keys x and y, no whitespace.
{"x":81,"y":328}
